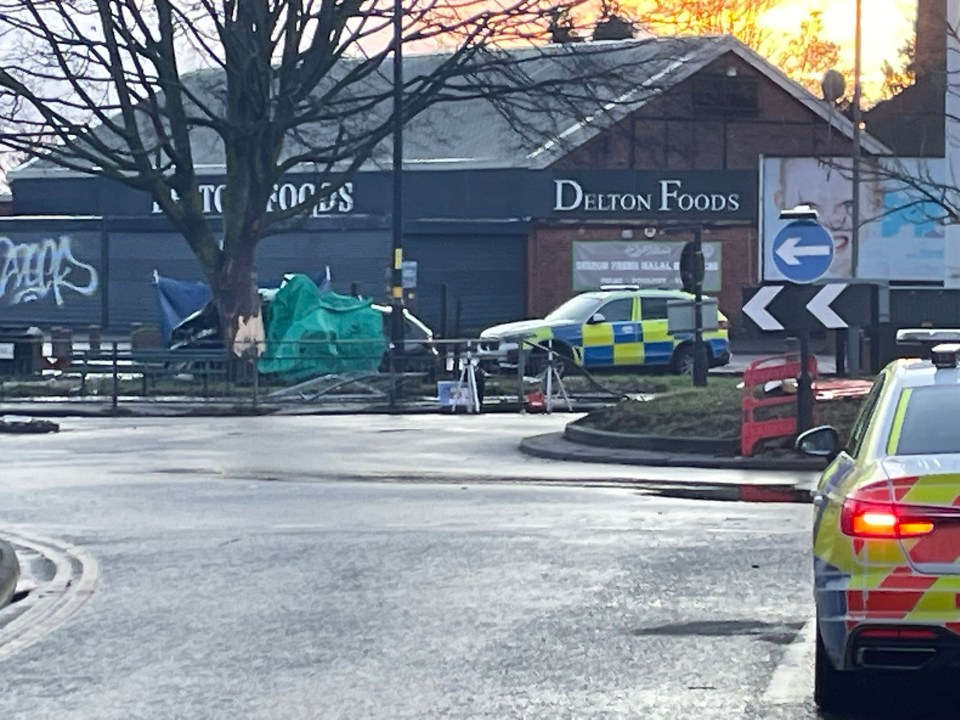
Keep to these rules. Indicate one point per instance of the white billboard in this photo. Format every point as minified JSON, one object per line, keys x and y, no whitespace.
{"x":952,"y":119}
{"x":901,"y":237}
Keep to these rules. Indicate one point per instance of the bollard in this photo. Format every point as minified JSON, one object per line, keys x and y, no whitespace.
{"x":95,"y":338}
{"x":61,"y":347}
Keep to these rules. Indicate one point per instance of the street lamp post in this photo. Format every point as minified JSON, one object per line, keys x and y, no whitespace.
{"x":853,"y":336}
{"x":396,"y":274}
{"x":857,"y":121}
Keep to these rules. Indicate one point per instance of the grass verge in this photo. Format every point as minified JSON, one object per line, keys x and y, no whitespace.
{"x":710,"y":412}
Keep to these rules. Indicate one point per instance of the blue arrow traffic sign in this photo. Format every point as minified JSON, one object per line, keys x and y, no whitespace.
{"x":803,"y":251}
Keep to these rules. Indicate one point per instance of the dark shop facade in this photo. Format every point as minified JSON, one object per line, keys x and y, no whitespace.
{"x":83,"y":251}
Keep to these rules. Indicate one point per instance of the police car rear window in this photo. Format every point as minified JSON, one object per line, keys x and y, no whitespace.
{"x":925,"y":421}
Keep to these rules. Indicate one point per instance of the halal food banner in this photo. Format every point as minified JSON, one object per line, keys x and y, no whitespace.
{"x":646,"y":263}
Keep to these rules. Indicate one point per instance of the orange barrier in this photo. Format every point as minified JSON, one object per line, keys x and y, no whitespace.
{"x":757,"y":374}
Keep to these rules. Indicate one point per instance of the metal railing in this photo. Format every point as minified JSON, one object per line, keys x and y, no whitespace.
{"x":330,"y":371}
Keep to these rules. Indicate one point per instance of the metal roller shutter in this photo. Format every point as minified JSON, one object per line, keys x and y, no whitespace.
{"x":486,"y":271}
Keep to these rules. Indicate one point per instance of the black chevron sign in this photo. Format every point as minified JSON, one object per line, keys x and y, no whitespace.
{"x":833,"y":306}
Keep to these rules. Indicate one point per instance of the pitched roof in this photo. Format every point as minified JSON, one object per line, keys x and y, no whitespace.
{"x":619,"y":77}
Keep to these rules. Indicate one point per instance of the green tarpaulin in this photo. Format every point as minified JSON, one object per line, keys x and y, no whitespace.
{"x":310,"y":333}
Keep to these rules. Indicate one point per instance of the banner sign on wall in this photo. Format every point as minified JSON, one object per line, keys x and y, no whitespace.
{"x":901,"y":237}
{"x":647,"y":263}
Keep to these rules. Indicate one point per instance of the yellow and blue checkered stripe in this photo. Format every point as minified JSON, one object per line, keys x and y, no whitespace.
{"x":624,"y":343}
{"x":612,"y":344}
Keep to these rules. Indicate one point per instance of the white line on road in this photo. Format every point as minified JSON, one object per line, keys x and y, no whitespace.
{"x":52,"y":602}
{"x":792,"y":681}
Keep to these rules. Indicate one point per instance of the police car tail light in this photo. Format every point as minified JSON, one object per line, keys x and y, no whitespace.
{"x":883,"y":520}
{"x":865,"y":515}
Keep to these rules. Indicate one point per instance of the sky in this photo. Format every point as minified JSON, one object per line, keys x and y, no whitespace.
{"x":886,"y":25}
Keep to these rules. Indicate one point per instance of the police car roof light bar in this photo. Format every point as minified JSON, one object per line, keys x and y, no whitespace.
{"x":619,"y":287}
{"x":926,"y":336}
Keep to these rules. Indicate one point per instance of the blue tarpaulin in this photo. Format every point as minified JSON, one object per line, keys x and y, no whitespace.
{"x":178,"y":299}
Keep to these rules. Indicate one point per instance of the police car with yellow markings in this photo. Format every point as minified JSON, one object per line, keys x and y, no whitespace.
{"x":616,"y":327}
{"x":886,"y":537}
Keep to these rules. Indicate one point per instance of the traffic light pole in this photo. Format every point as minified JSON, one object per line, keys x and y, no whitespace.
{"x":396,"y":274}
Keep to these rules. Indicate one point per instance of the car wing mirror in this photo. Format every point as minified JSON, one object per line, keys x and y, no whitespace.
{"x":596,"y":318}
{"x":823,"y":441}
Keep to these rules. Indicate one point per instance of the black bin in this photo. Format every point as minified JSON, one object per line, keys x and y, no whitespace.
{"x":21,"y":351}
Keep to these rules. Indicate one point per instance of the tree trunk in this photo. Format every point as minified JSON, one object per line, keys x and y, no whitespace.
{"x":235,"y":293}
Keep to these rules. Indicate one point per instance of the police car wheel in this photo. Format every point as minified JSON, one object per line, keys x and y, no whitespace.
{"x":537,"y":364}
{"x":683,"y":361}
{"x":833,"y":690}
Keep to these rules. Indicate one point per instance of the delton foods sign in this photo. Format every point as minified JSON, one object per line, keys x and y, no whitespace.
{"x":285,"y":195}
{"x":669,"y":198}
{"x":690,"y":195}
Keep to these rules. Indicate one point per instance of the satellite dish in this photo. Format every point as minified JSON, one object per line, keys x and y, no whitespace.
{"x":832,"y":86}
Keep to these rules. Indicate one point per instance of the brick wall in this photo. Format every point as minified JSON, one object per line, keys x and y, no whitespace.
{"x":550,"y":262}
{"x":670,"y":133}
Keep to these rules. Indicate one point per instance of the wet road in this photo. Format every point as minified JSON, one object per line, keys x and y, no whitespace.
{"x":233,"y":583}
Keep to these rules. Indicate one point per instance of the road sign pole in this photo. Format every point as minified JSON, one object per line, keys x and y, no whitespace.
{"x":841,"y":352}
{"x":699,"y":356}
{"x":853,"y":350}
{"x":804,"y":386}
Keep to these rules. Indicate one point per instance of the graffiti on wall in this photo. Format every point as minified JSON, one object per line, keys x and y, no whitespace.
{"x":31,"y":271}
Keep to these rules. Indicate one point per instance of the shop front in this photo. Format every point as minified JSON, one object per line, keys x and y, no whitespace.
{"x":83,"y":251}
{"x":619,"y":227}
{"x":498,"y":245}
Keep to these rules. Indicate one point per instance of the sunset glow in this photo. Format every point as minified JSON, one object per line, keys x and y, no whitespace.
{"x":886,"y":26}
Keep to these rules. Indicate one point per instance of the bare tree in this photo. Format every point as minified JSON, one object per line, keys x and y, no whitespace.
{"x":927,"y":188}
{"x":804,"y":55}
{"x":740,"y":18}
{"x":898,"y":77}
{"x":130,"y":89}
